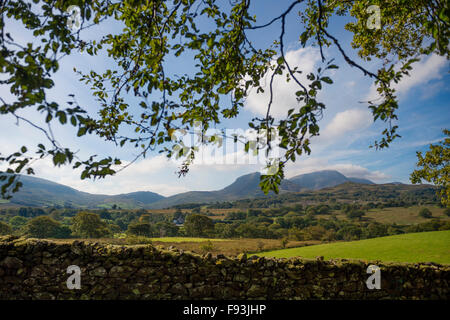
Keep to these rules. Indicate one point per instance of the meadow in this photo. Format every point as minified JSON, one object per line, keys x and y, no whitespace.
{"x":413,"y":247}
{"x":398,"y":215}
{"x":229,"y":247}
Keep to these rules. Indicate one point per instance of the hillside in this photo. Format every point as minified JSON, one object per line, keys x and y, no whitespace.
{"x":316,"y":186}
{"x":350,"y":191}
{"x":37,"y":192}
{"x":324,"y":179}
{"x":245,"y":187}
{"x":411,"y":247}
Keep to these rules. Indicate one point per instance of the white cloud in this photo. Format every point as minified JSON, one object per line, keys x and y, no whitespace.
{"x":151,"y":174}
{"x":284,"y":92}
{"x":423,"y":72}
{"x":347,"y":121}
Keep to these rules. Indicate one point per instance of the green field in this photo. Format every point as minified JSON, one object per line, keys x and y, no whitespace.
{"x":413,"y":247}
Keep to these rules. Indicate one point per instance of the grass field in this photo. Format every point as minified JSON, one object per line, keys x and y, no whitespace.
{"x":398,"y":215}
{"x":413,"y":247}
{"x":230,"y":247}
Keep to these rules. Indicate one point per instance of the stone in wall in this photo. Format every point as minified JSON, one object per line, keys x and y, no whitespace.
{"x":37,"y":269}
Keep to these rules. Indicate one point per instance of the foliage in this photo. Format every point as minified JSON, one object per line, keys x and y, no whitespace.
{"x":43,"y":227}
{"x":89,"y":225}
{"x":425,"y":213}
{"x":227,"y":67}
{"x":197,"y":225}
{"x":136,"y":239}
{"x":284,"y":242}
{"x":434,"y":167}
{"x":447,"y":212}
{"x":208,"y":246}
{"x":5,"y":228}
{"x":353,"y":212}
{"x":143,"y":229}
{"x":17,"y":222}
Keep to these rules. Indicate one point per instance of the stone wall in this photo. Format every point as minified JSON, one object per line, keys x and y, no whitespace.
{"x":36,"y":269}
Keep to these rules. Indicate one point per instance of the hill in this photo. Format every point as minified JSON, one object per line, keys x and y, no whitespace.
{"x":247,"y":187}
{"x":37,"y":192}
{"x":315,"y":186}
{"x":244,"y":187}
{"x":324,"y":179}
{"x":410,"y":247}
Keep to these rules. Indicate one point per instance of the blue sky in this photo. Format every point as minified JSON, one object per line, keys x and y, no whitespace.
{"x":347,"y":128}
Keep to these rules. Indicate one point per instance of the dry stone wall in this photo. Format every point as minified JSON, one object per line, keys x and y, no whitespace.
{"x":37,"y":269}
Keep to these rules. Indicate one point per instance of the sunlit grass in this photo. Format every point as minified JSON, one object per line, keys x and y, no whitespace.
{"x":412,"y":247}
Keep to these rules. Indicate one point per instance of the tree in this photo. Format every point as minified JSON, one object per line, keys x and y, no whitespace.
{"x":144,"y":229}
{"x":177,"y":214}
{"x":145,"y":218}
{"x":166,"y":229}
{"x":42,"y":227}
{"x":89,"y":225}
{"x":434,"y":167}
{"x":253,"y":212}
{"x":17,"y":222}
{"x":224,"y":230}
{"x":198,"y":225}
{"x":355,"y":213}
{"x":425,"y":213}
{"x":228,"y":66}
{"x":447,"y":212}
{"x":208,"y":246}
{"x":284,"y":242}
{"x":314,"y":232}
{"x":5,"y":228}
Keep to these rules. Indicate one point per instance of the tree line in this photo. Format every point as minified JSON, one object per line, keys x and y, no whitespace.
{"x":294,"y":223}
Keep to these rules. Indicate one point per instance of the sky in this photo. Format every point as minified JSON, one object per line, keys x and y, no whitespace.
{"x":347,"y":128}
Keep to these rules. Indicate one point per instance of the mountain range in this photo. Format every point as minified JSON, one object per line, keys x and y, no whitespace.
{"x":39,"y":192}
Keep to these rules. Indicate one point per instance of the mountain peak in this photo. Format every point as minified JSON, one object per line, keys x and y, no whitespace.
{"x":324,"y":179}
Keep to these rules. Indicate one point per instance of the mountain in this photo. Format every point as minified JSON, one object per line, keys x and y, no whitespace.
{"x":324,"y":179}
{"x":37,"y":192}
{"x":144,"y":197}
{"x":360,"y":180}
{"x":244,"y":187}
{"x":249,"y":185}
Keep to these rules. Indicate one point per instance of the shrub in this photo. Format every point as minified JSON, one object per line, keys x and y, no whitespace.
{"x":207,"y":247}
{"x":260,"y":245}
{"x":197,"y":225}
{"x":447,"y":212}
{"x":89,"y":225}
{"x":284,"y":242}
{"x":143,"y":229}
{"x":355,"y":214}
{"x":17,"y":222}
{"x":5,"y":228}
{"x":425,"y":213}
{"x":43,"y":227}
{"x":133,"y":239}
